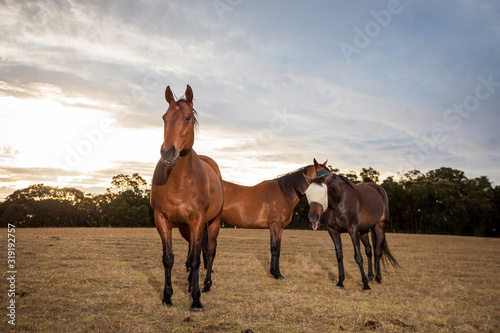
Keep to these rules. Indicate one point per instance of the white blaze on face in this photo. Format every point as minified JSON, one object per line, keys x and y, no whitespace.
{"x":318,"y":193}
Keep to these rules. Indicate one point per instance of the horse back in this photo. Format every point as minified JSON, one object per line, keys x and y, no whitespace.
{"x":250,"y":206}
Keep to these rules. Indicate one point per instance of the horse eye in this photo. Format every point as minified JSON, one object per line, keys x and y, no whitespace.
{"x":188,"y":118}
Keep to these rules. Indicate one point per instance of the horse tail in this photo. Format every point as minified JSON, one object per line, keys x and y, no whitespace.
{"x":387,"y":255}
{"x":386,"y":252}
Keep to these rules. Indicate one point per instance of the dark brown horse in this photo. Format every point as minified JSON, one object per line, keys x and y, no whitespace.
{"x":186,"y":192}
{"x":267,"y":205}
{"x":356,"y":209}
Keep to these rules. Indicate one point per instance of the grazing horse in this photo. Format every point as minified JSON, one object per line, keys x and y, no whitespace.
{"x":267,"y":205}
{"x":352,"y":208}
{"x":186,"y":192}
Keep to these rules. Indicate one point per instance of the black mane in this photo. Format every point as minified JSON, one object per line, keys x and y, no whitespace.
{"x":334,"y":183}
{"x":292,"y":181}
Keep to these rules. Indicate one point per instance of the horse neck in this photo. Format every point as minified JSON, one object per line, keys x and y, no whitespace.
{"x":339,"y":190}
{"x":295,"y":195}
{"x":184,"y":166}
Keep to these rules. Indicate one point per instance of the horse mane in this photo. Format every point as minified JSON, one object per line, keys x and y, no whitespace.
{"x":292,"y":181}
{"x":334,"y":183}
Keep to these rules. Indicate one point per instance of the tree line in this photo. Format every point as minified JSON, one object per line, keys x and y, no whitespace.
{"x":441,"y":201}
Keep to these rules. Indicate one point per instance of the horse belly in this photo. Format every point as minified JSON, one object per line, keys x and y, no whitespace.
{"x":213,"y":190}
{"x":368,"y":217}
{"x":241,"y":215}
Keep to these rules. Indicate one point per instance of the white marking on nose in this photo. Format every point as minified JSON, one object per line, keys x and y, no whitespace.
{"x":318,"y":193}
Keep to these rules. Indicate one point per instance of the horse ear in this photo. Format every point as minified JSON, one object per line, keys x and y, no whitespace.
{"x":315,"y":163}
{"x":189,"y":95}
{"x":169,"y":96}
{"x":324,"y":163}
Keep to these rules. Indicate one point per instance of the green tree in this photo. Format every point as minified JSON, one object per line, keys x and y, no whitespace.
{"x":369,"y":175}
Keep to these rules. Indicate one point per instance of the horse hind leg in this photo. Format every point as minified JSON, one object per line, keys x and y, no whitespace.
{"x":211,"y":233}
{"x":378,"y":243}
{"x":185,"y":234}
{"x":365,"y":239}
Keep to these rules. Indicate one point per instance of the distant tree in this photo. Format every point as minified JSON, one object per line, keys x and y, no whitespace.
{"x":332,"y":169}
{"x":397,"y":203}
{"x":126,"y":182}
{"x":369,"y":175}
{"x":353,"y":176}
{"x":39,"y":205}
{"x":126,"y":204}
{"x":479,"y":203}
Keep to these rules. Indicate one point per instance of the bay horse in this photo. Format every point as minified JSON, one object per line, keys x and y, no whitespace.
{"x":187,"y":193}
{"x":267,"y":205}
{"x":356,"y":209}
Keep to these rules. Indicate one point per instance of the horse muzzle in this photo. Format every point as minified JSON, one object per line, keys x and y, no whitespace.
{"x":169,"y":157}
{"x":314,"y":220}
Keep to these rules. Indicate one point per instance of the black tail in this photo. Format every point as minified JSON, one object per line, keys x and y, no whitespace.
{"x":386,"y":253}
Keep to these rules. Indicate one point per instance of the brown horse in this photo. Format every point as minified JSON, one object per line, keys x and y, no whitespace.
{"x":352,"y":208}
{"x":186,"y":192}
{"x":267,"y":205}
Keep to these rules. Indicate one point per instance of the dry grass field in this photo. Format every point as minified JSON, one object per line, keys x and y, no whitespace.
{"x":111,"y":280}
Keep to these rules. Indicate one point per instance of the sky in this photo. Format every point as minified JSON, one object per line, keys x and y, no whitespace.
{"x":392,"y":85}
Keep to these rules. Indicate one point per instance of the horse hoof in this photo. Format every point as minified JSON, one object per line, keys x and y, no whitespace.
{"x":196,"y":308}
{"x":206,"y":289}
{"x":367,"y":288}
{"x":167,"y":303}
{"x":278,"y":276}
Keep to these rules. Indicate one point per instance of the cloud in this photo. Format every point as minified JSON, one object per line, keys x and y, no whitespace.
{"x":259,"y":60}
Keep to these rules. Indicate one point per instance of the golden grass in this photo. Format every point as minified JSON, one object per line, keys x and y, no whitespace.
{"x":111,"y":280}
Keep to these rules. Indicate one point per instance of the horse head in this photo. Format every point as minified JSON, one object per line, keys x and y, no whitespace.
{"x":317,"y":194}
{"x":178,"y":122}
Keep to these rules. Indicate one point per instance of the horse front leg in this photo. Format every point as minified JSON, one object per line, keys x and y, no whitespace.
{"x":276,"y":233}
{"x":211,"y":242}
{"x":365,"y":239}
{"x":196,"y":227}
{"x":337,"y":241}
{"x":357,"y":256}
{"x":165,"y":231}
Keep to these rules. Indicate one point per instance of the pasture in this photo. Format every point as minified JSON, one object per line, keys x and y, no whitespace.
{"x":111,"y":280}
